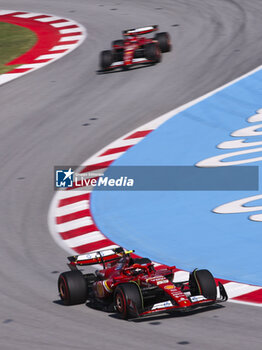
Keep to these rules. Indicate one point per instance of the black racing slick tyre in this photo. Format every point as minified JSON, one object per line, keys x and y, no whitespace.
{"x":128,"y":300}
{"x":163,"y":40}
{"x":202,"y":282}
{"x":72,"y":288}
{"x":152,"y":52}
{"x":106,"y":59}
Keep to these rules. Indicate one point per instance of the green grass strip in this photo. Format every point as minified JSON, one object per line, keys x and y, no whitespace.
{"x":14,"y":41}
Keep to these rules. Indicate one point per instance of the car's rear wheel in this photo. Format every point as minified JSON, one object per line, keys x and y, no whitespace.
{"x":152,"y":52}
{"x":164,"y":42}
{"x":202,"y":282}
{"x":128,"y":300}
{"x":106,"y":59}
{"x":72,"y":288}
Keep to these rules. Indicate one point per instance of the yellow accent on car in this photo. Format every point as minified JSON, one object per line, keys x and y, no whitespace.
{"x":129,"y":251}
{"x":107,"y":287}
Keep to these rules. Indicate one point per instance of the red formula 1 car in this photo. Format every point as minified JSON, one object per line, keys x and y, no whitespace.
{"x":133,"y":287}
{"x":135,"y":49}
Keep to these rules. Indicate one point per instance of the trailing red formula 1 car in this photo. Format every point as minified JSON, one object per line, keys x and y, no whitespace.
{"x":133,"y":287}
{"x":135,"y":49}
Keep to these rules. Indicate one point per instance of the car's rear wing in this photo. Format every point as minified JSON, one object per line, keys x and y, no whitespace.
{"x":140,"y":31}
{"x":99,"y":257}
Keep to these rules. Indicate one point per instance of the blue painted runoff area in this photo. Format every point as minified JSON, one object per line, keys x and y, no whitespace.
{"x":179,"y":227}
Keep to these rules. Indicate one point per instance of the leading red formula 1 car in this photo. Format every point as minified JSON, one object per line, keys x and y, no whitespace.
{"x":133,"y":287}
{"x":135,"y":49}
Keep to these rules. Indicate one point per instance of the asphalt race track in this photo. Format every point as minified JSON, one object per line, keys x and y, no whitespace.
{"x":64,"y":113}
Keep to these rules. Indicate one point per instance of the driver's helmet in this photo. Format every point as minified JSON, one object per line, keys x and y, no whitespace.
{"x":121,"y":263}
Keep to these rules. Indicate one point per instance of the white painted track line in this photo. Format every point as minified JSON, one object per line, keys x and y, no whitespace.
{"x":236,"y":289}
{"x":71,"y":30}
{"x":49,"y":19}
{"x":6,"y":12}
{"x":70,"y":38}
{"x":62,"y":24}
{"x":48,"y":56}
{"x":61,"y":47}
{"x":71,"y":193}
{"x":72,"y":225}
{"x":29,"y":15}
{"x":87,"y":238}
{"x":72,"y":208}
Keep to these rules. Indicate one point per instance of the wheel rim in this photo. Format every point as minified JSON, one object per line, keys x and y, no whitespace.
{"x":62,"y":290}
{"x":119,"y":303}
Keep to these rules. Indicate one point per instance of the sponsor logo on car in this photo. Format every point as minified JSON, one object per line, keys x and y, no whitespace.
{"x":169,"y":287}
{"x":196,"y":298}
{"x":162,"y":305}
{"x":162,"y":282}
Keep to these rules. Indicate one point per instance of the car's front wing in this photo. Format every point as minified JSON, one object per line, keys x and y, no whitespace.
{"x":185,"y":309}
{"x":134,"y":62}
{"x":196,"y":302}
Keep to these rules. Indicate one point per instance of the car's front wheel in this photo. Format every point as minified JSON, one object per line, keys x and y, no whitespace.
{"x":164,"y":42}
{"x":106,"y":59}
{"x":72,"y":288}
{"x":128,"y":300}
{"x":152,"y":52}
{"x":202,"y":282}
